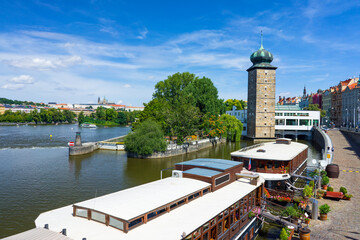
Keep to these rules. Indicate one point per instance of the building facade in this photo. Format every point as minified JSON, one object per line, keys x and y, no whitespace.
{"x":261,"y":96}
{"x":351,"y":105}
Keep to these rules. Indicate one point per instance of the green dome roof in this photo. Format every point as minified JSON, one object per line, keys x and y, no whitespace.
{"x":261,"y":59}
{"x":261,"y":56}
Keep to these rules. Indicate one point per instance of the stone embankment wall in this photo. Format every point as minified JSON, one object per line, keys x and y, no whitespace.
{"x":174,"y":150}
{"x":84,"y":149}
{"x":322,"y":140}
{"x":353,"y":135}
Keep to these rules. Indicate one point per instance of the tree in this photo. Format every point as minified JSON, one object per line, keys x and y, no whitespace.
{"x":146,"y":139}
{"x":204,"y":95}
{"x":81,"y":117}
{"x":213,"y":126}
{"x":121,"y":118}
{"x":110,"y":114}
{"x":68,"y":116}
{"x":100,"y":113}
{"x":315,"y":107}
{"x":234,"y":127}
{"x":239,"y":104}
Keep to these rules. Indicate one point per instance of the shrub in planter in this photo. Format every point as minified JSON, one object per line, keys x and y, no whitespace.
{"x":323,"y":173}
{"x":347,"y":196}
{"x":343,"y":190}
{"x":251,"y":214}
{"x":312,"y":184}
{"x":324,"y":210}
{"x":283,"y":234}
{"x":330,"y":189}
{"x":307,"y":191}
{"x":325,"y":180}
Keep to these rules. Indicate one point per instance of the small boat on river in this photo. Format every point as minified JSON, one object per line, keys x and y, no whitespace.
{"x":88,"y":125}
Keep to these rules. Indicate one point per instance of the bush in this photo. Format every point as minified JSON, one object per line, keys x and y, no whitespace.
{"x":325,"y":180}
{"x":323,"y":173}
{"x":343,"y":190}
{"x":283,"y":234}
{"x":348,"y":195}
{"x":324,"y":209}
{"x":307,"y":191}
{"x":312,"y":184}
{"x":292,"y":211}
{"x":146,"y":139}
{"x":330,"y":189}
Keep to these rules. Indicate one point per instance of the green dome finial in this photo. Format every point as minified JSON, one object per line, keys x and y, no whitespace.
{"x":261,"y":58}
{"x":261,"y":47}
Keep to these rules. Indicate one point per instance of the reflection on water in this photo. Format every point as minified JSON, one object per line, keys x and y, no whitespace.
{"x":35,"y":180}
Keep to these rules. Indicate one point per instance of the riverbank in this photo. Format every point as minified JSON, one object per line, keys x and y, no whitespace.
{"x":343,"y":220}
{"x":31,"y":123}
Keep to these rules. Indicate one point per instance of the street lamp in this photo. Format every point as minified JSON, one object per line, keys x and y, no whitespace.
{"x":347,"y":117}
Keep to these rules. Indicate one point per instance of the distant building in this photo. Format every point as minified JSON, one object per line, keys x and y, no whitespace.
{"x":326,"y":105}
{"x":351,"y":105}
{"x":131,"y":109}
{"x":2,"y":109}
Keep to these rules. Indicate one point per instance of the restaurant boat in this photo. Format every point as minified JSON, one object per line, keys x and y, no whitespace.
{"x":275,"y":161}
{"x":204,"y":199}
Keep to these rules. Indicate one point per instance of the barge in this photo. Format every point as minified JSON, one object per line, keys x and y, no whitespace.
{"x":204,"y":199}
{"x":274,"y":161}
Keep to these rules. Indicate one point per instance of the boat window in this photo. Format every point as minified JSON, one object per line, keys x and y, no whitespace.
{"x":190,"y":197}
{"x":237,"y":205}
{"x":231,"y":219}
{"x":116,"y":223}
{"x":253,"y":202}
{"x":135,"y":222}
{"x":237,"y":217}
{"x":196,"y":194}
{"x":100,"y":217}
{"x":222,"y":179}
{"x":213,"y":222}
{"x":196,"y":233}
{"x":181,"y":202}
{"x":226,"y":212}
{"x":206,"y":236}
{"x":219,"y":228}
{"x":205,"y":191}
{"x":276,"y":164}
{"x":261,"y":164}
{"x":269,"y":164}
{"x":188,"y":237}
{"x":81,"y":212}
{"x":220,"y":216}
{"x":241,"y":212}
{"x":173,"y":205}
{"x":205,"y":227}
{"x":245,"y":207}
{"x":226,"y":224}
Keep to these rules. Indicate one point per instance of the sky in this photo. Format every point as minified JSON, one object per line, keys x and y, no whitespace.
{"x":76,"y":51}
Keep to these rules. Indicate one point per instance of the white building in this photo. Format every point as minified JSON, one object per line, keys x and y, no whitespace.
{"x":288,"y":118}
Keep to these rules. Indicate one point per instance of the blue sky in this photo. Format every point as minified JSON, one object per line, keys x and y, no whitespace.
{"x":74,"y":51}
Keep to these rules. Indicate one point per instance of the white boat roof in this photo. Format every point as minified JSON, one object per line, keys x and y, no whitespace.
{"x":133,"y":202}
{"x":273,"y":151}
{"x":38,"y":234}
{"x":186,"y":218}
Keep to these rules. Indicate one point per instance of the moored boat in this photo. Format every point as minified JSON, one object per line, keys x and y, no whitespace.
{"x":88,"y":125}
{"x":204,"y":199}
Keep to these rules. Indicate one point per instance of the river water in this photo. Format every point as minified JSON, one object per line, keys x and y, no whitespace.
{"x":37,"y":174}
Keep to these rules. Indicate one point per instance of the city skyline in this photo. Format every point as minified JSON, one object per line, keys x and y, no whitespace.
{"x":75,"y":52}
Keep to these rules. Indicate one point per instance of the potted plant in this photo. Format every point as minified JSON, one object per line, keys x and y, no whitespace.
{"x":307,"y":220}
{"x":324,"y":210}
{"x":330,"y":189}
{"x":251,"y":214}
{"x":283,"y":234}
{"x":323,"y":173}
{"x":325,"y":182}
{"x":312,"y":184}
{"x":319,"y":194}
{"x":347,"y":196}
{"x":343,"y":190}
{"x":307,"y":192}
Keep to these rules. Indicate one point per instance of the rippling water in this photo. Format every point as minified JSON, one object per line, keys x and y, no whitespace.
{"x":37,"y":175}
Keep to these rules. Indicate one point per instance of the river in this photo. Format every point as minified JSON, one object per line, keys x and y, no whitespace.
{"x":37,"y":174}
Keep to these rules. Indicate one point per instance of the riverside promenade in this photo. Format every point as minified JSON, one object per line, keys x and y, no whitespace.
{"x":344,"y":219}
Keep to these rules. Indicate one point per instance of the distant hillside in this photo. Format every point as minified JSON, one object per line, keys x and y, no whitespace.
{"x":17,"y":102}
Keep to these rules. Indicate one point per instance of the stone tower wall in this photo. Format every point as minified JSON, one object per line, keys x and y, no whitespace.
{"x":261,"y":103}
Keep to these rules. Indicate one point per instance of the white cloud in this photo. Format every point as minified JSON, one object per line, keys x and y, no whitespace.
{"x":127,"y":86}
{"x":45,"y":64}
{"x":143,"y":34}
{"x":11,"y":86}
{"x":24,"y":79}
{"x":119,"y":102}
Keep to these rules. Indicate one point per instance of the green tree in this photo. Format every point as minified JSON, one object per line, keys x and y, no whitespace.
{"x":146,"y":139}
{"x":234,"y":127}
{"x":100,"y":113}
{"x":204,"y":95}
{"x":81,"y":117}
{"x":68,"y":116}
{"x":121,"y":118}
{"x":213,"y":126}
{"x":110,"y":114}
{"x":239,"y":104}
{"x":315,"y":107}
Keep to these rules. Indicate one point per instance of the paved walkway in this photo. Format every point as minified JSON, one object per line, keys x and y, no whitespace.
{"x":344,"y":219}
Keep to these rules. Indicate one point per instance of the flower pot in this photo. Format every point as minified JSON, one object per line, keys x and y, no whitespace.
{"x":346,"y":198}
{"x":304,"y":234}
{"x":324,"y":187}
{"x":323,"y":217}
{"x":307,"y":221}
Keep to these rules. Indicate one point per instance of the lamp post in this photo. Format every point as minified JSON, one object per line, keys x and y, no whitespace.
{"x":347,"y":117}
